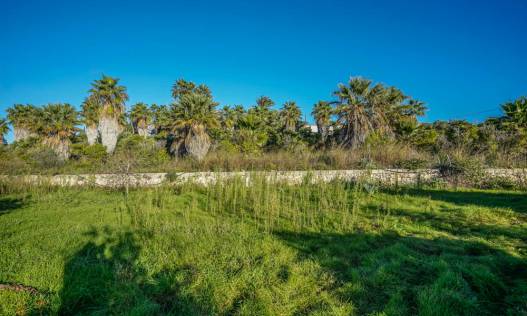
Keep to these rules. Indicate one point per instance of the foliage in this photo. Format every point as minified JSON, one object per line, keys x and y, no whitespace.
{"x":363,"y":115}
{"x":193,"y":115}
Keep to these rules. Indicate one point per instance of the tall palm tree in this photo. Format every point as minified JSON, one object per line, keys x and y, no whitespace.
{"x":361,"y":110}
{"x":90,"y":117}
{"x":4,"y":128}
{"x":290,"y":115}
{"x":193,"y":116}
{"x":57,"y":126}
{"x":322,"y":112}
{"x":112,"y":97}
{"x":23,"y":118}
{"x":141,"y":117}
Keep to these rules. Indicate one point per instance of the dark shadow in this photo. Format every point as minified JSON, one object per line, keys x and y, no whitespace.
{"x":105,"y":278}
{"x":402,"y":275}
{"x":9,"y":204}
{"x":456,"y":224}
{"x":517,"y":201}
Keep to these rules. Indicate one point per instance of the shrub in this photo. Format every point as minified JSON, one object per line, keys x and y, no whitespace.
{"x":94,"y":153}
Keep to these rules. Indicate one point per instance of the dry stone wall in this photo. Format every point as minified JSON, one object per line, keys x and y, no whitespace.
{"x":385,"y":176}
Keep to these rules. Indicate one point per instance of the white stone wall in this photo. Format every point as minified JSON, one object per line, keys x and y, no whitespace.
{"x":385,"y":176}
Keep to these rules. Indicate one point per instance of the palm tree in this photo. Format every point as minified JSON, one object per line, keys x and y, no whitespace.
{"x":516,"y":112}
{"x":362,"y":109}
{"x":141,"y":117}
{"x":57,"y":125}
{"x":4,"y":128}
{"x":112,"y":97}
{"x":193,"y":115}
{"x":322,"y":112}
{"x":90,"y":117}
{"x":290,"y":115}
{"x":160,"y":119}
{"x":23,"y":118}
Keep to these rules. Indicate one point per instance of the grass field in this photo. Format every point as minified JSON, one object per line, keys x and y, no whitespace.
{"x":325,"y":249}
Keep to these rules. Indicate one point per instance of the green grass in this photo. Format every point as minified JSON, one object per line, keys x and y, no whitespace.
{"x":325,"y":249}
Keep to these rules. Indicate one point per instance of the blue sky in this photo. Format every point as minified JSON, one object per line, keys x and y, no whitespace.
{"x":463,"y":58}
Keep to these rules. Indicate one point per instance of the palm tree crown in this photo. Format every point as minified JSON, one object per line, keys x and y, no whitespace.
{"x":22,"y":116}
{"x":290,"y":115}
{"x":58,"y":120}
{"x":110,"y":95}
{"x":90,"y":111}
{"x":194,"y":110}
{"x":141,"y":114}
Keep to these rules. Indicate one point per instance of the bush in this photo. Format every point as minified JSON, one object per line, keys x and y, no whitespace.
{"x":95,"y":153}
{"x":135,"y":153}
{"x":44,"y":158}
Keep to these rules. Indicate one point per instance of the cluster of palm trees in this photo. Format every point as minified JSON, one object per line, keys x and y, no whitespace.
{"x":363,"y":108}
{"x":192,"y":124}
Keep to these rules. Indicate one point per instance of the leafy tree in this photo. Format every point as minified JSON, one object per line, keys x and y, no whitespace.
{"x":322,"y":112}
{"x":291,"y":116}
{"x":4,"y":128}
{"x":516,"y":112}
{"x":403,"y":118}
{"x":161,"y":119}
{"x":358,"y":111}
{"x":90,"y":117}
{"x":58,"y":126}
{"x":193,"y":115}
{"x":182,"y":87}
{"x":23,"y":118}
{"x":249,"y":137}
{"x":141,"y":117}
{"x":112,"y":97}
{"x":364,"y":108}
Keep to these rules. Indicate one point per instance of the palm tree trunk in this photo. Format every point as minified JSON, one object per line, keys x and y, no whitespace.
{"x":91,"y":133}
{"x":59,"y":145}
{"x":197,"y":143}
{"x":109,"y":130}
{"x":142,"y":129}
{"x":21,"y":133}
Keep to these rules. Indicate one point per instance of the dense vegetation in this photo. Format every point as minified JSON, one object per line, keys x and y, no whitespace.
{"x":231,"y":249}
{"x":366,"y":125}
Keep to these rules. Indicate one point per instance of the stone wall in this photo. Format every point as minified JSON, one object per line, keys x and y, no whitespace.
{"x":385,"y":176}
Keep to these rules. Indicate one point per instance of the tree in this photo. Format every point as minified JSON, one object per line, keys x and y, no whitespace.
{"x":160,"y":119}
{"x":322,"y":112}
{"x":193,"y":115}
{"x":291,"y":116}
{"x":363,"y":108}
{"x":516,"y":112}
{"x":403,"y":118}
{"x":112,"y":97}
{"x":141,"y":117}
{"x":57,"y":126}
{"x":23,"y":118}
{"x":90,"y":117}
{"x":4,"y":128}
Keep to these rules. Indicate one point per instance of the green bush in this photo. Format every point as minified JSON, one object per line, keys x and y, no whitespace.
{"x":94,"y":153}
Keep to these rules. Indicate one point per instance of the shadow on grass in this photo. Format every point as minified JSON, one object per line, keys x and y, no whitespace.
{"x":9,"y":204}
{"x":409,"y":275}
{"x":456,"y":224}
{"x":105,"y":277}
{"x":517,"y":201}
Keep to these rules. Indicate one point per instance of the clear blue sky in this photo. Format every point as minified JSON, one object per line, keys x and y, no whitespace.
{"x":460,"y":57}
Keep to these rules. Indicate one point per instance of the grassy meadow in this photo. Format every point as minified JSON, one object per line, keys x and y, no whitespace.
{"x":265,"y":249}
